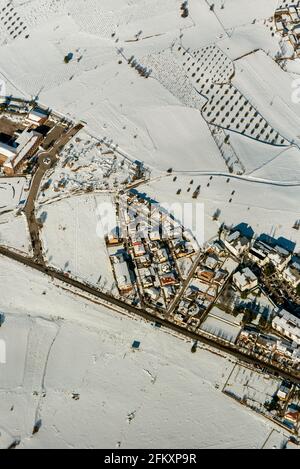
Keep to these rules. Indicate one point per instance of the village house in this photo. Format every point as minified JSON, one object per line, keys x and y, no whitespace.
{"x":138,"y":248}
{"x":123,"y":278}
{"x":212,"y":261}
{"x":287,"y":22}
{"x":292,"y":415}
{"x":258,"y":255}
{"x":218,"y":248}
{"x":168,"y":279}
{"x":292,"y":274}
{"x":154,"y":233}
{"x":285,"y":349}
{"x":164,"y":268}
{"x":146,"y":275}
{"x":161,"y":255}
{"x":182,"y":248}
{"x":280,"y":258}
{"x":153,"y":293}
{"x":169,"y":292}
{"x":143,"y":261}
{"x":204,"y":274}
{"x":287,"y":325}
{"x":245,"y":280}
{"x":113,"y":237}
{"x":220,"y":277}
{"x":236,"y":243}
{"x":284,"y":391}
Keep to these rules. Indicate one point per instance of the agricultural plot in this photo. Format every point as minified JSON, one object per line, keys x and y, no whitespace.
{"x":12,"y":23}
{"x":210,"y":71}
{"x":168,"y":71}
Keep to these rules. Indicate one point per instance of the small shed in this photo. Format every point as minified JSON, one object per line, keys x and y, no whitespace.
{"x":136,"y":345}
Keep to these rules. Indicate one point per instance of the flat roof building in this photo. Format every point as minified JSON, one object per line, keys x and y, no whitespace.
{"x":123,"y":278}
{"x":37,"y":116}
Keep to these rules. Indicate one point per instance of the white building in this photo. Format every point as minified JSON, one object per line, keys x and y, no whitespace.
{"x":153,"y":293}
{"x":236,"y":243}
{"x":162,"y":255}
{"x":212,"y":262}
{"x":24,"y":147}
{"x":6,"y":151}
{"x":245,"y":280}
{"x":288,"y":325}
{"x":123,"y":277}
{"x":280,"y":258}
{"x":37,"y":117}
{"x":258,"y":256}
{"x":146,"y":275}
{"x":292,"y":274}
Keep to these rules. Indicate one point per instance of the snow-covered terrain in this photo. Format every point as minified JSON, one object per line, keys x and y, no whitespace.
{"x":13,"y":229}
{"x":71,"y":239}
{"x":200,"y":101}
{"x":78,"y":377}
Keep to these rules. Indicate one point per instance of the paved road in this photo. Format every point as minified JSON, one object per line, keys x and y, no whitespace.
{"x":145,"y":314}
{"x":46,"y":160}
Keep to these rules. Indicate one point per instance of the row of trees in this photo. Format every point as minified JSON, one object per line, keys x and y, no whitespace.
{"x":142,"y":70}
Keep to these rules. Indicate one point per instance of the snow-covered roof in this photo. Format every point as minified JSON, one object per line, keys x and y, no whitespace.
{"x":245,"y":277}
{"x":289,"y":323}
{"x":7,"y":150}
{"x":292,"y":273}
{"x":122,"y":274}
{"x":37,"y":114}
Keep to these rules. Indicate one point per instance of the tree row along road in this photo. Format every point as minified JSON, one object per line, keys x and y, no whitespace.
{"x":145,"y":314}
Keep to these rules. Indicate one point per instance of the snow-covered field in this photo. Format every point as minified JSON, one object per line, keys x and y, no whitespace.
{"x":12,"y":193}
{"x":13,"y":228}
{"x":218,"y":110}
{"x":72,"y":241}
{"x":267,"y":208}
{"x":14,"y":233}
{"x":78,"y":377}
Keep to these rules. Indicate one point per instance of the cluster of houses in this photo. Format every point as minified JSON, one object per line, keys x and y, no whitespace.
{"x":17,"y":149}
{"x":286,"y":265}
{"x":292,"y":417}
{"x":212,"y":272}
{"x":287,"y":22}
{"x":288,"y":405}
{"x":147,"y":263}
{"x":145,"y":250}
{"x":270,"y":347}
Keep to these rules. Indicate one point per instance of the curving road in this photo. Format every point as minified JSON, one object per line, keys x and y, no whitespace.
{"x":46,"y":161}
